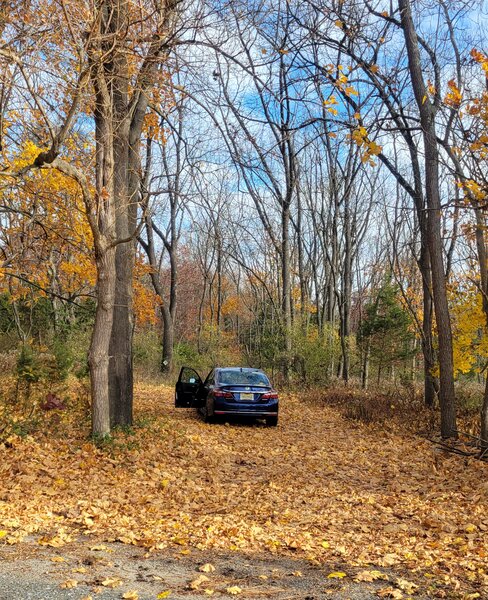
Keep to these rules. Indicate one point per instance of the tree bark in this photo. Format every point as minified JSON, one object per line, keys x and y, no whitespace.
{"x":286,"y":287}
{"x":427,"y":110}
{"x":482,"y":260}
{"x":168,"y":340}
{"x":98,"y":357}
{"x":484,"y":420}
{"x":120,"y":381}
{"x":128,"y":113}
{"x":346,"y":291}
{"x":430,"y":381}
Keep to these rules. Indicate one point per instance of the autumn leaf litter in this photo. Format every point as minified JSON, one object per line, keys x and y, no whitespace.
{"x":318,"y":487}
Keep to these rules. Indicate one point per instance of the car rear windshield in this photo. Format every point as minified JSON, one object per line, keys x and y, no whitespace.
{"x":238,"y":377}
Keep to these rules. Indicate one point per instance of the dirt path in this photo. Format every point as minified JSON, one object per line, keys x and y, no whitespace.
{"x":343,"y":497}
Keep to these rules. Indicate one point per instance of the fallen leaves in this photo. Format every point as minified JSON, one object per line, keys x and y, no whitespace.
{"x":207,"y":568}
{"x":297,"y":490}
{"x":111,"y":582}
{"x":336,"y":575}
{"x":56,"y":541}
{"x":69,"y":584}
{"x":407,"y":586}
{"x":99,"y":548}
{"x":233,"y":590}
{"x":369,"y":576}
{"x":390,"y":592}
{"x":197,"y":583}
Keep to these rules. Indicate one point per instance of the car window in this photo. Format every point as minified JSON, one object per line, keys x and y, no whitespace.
{"x":210,"y":378}
{"x":238,"y":377}
{"x":189,"y":376}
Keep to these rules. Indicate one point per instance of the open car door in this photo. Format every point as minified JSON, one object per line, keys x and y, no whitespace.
{"x":187,"y":387}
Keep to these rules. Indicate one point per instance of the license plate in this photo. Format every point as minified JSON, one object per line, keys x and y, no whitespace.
{"x":247,"y":396}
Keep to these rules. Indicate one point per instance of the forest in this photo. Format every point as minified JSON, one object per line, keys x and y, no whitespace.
{"x":300,"y":187}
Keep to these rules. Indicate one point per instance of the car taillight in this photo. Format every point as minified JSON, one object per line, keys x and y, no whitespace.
{"x":269,"y":396}
{"x":223,"y":394}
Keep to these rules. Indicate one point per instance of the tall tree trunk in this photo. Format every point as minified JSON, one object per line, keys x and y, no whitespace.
{"x":120,"y":379}
{"x":483,"y":264}
{"x":286,"y":286}
{"x":168,"y":340}
{"x":169,"y":321}
{"x":484,"y":420}
{"x":98,"y":357}
{"x":365,"y":366}
{"x":430,"y":381}
{"x":104,"y":232}
{"x":169,"y":316}
{"x":219,"y":283}
{"x":129,"y":112}
{"x":427,"y":110}
{"x":346,"y":292}
{"x":171,"y":244}
{"x":304,"y":312}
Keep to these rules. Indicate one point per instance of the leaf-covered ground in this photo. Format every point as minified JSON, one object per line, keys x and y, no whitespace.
{"x":318,"y":486}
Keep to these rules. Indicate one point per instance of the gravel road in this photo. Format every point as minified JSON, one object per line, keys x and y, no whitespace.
{"x":29,"y":572}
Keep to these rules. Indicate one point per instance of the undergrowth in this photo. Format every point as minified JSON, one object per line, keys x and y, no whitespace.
{"x":402,"y":407}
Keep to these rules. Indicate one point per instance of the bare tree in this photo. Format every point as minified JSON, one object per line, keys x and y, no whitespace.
{"x":428,"y":109}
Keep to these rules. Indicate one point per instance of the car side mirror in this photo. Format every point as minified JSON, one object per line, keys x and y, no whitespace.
{"x":192,"y":380}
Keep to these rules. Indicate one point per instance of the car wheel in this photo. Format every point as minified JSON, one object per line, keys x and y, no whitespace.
{"x":271,"y":421}
{"x":206,"y":417}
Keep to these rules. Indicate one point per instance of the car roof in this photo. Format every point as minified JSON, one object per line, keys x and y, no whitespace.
{"x":244,"y":369}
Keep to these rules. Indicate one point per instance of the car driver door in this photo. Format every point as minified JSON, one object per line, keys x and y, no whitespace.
{"x":187,"y":387}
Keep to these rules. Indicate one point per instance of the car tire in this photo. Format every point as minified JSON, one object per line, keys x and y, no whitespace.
{"x":206,"y":417}
{"x":271,"y":421}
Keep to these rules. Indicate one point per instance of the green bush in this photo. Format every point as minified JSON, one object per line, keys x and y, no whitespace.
{"x":147,"y":353}
{"x":28,"y":368}
{"x":186,"y":354}
{"x":315,"y":353}
{"x":63,"y":359}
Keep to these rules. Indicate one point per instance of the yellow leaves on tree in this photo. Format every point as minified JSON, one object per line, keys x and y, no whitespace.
{"x":453,"y":97}
{"x":473,"y":190}
{"x":475,"y":111}
{"x":153,"y":128}
{"x":146,"y":301}
{"x":231,"y":306}
{"x":470,"y":334}
{"x":368,"y":148}
{"x":47,"y":232}
{"x":330,"y":105}
{"x":481,"y":58}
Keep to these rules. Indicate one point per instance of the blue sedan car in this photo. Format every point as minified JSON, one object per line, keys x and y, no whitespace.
{"x":228,"y":391}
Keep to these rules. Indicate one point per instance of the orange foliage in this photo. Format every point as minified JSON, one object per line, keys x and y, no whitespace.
{"x":146,"y":301}
{"x":47,"y":234}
